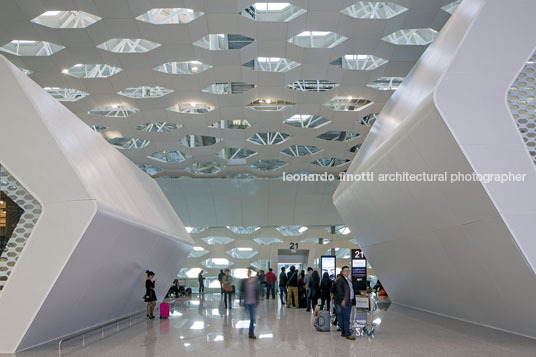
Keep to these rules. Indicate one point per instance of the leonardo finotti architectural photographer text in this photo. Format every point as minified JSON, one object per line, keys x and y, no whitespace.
{"x":408,"y":177}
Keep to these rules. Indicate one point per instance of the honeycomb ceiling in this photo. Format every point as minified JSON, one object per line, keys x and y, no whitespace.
{"x":223,"y":88}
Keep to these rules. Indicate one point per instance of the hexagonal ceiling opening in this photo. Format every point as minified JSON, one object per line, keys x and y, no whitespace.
{"x":270,"y":104}
{"x":312,"y":85}
{"x":269,"y":138}
{"x":243,"y":229}
{"x":267,"y":240}
{"x":145,"y":92}
{"x":158,"y":127}
{"x":198,"y":140}
{"x":374,"y":10}
{"x":292,"y":231}
{"x":330,"y":162}
{"x":235,"y":156}
{"x":339,"y":229}
{"x":412,"y":37}
{"x":129,"y":143}
{"x":272,"y":11}
{"x":66,"y":19}
{"x":164,"y":16}
{"x":150,"y":169}
{"x":204,"y":168}
{"x":359,"y":62}
{"x":228,"y":88}
{"x":216,"y":263}
{"x":214,"y":240}
{"x":346,"y":104}
{"x":300,"y":150}
{"x":187,"y":67}
{"x":231,"y":124}
{"x":92,"y":70}
{"x":306,"y":121}
{"x":197,"y":252}
{"x":169,"y":156}
{"x":271,"y":64}
{"x":386,"y":83}
{"x":337,"y":135}
{"x":66,"y":94}
{"x":191,"y":108}
{"x":31,"y":48}
{"x":317,"y":39}
{"x":242,"y":253}
{"x":222,"y":42}
{"x":268,"y":165}
{"x":114,"y":111}
{"x":128,"y":45}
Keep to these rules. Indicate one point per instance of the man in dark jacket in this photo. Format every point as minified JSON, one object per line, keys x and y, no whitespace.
{"x":343,"y":297}
{"x":283,"y":286}
{"x":292,"y":284}
{"x":220,"y":279}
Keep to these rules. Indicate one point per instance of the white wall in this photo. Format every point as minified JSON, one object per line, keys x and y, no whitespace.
{"x":104,"y":222}
{"x":464,"y":250}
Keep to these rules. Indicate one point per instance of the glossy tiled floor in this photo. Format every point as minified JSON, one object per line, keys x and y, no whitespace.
{"x":203,"y":328}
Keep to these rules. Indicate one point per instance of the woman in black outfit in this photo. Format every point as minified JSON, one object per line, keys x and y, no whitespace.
{"x":150,"y":295}
{"x":314,"y":287}
{"x":325,"y":286}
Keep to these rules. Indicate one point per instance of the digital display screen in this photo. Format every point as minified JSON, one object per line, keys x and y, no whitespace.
{"x":359,"y":269}
{"x":327,"y":265}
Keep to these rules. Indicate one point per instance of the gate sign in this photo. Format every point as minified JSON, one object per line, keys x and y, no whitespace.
{"x":359,"y":270}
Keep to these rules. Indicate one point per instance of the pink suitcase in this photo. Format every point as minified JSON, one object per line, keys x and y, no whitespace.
{"x":164,"y":310}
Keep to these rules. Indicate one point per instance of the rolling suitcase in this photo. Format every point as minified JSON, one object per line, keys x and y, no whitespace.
{"x":164,"y":310}
{"x":322,"y":321}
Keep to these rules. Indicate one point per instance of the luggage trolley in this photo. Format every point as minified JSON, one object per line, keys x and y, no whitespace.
{"x":365,"y":305}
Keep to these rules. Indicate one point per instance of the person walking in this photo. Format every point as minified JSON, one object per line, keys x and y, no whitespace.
{"x":325,"y":287}
{"x":314,"y":288}
{"x":251,"y":292}
{"x":307,"y":280}
{"x":283,"y":281}
{"x":344,"y":296}
{"x":292,"y":286}
{"x":270,"y":283}
{"x":201,"y":280}
{"x":227,"y":282}
{"x":262,"y":282}
{"x":150,"y":294}
{"x":220,"y":279}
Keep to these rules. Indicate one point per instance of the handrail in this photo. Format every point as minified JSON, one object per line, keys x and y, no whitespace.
{"x":100,"y":326}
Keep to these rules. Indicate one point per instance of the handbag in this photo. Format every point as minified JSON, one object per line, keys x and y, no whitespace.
{"x":228,"y":288}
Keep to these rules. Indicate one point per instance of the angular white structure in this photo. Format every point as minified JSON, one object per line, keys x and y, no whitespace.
{"x":464,"y":249}
{"x":103,"y":222}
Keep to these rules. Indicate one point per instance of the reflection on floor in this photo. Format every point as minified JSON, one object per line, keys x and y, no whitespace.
{"x":204,"y":328}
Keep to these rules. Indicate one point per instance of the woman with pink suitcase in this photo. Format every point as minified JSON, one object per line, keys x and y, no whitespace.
{"x":150,"y":294}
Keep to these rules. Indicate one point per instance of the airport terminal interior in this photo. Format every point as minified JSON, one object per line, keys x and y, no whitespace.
{"x":240,"y":178}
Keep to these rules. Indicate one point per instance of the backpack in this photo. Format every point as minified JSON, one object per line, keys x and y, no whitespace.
{"x":322,"y":321}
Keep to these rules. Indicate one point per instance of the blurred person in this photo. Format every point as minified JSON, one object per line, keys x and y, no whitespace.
{"x":314,"y":288}
{"x":251,"y":292}
{"x":227,"y":283}
{"x":270,"y":283}
{"x":302,"y":299}
{"x":283,"y":282}
{"x":306,"y":281}
{"x":262,"y":282}
{"x":337,"y":306}
{"x":292,"y":286}
{"x":220,"y":279}
{"x":150,"y":294}
{"x":201,"y":280}
{"x":325,"y":287}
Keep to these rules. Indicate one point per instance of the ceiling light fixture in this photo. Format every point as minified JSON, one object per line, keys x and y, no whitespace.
{"x":65,"y":71}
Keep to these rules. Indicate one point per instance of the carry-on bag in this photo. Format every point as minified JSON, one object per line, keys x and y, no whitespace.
{"x":164,"y":310}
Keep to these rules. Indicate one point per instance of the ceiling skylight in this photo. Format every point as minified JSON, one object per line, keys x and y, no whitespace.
{"x":231,"y":124}
{"x":312,"y":85}
{"x":115,"y":111}
{"x":66,"y":94}
{"x":128,"y":45}
{"x":242,"y":253}
{"x":197,"y":252}
{"x":150,"y":169}
{"x":316,"y":240}
{"x":198,"y":140}
{"x":145,"y":92}
{"x":306,"y":121}
{"x":270,"y":104}
{"x":92,"y":70}
{"x":291,"y":231}
{"x":272,"y":11}
{"x":164,"y":16}
{"x":348,"y":103}
{"x":236,"y":156}
{"x":271,"y":64}
{"x":205,"y":168}
{"x":158,"y":127}
{"x":451,"y":7}
{"x":330,"y":162}
{"x":192,"y":108}
{"x":267,"y":241}
{"x":300,"y":150}
{"x":188,"y":67}
{"x":412,"y":37}
{"x":374,"y":10}
{"x":217,"y":240}
{"x":66,"y":19}
{"x":386,"y":83}
{"x":169,"y":156}
{"x":98,"y":128}
{"x":129,"y":143}
{"x":216,"y":263}
{"x":340,"y":229}
{"x":268,"y":165}
{"x":228,"y":88}
{"x":268,"y":138}
{"x":317,"y":39}
{"x":243,"y":230}
{"x":359,"y":62}
{"x":221,"y":42}
{"x":31,"y":48}
{"x":336,"y":135}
